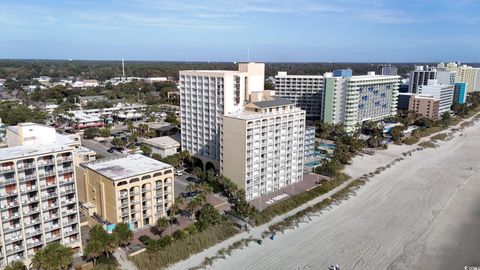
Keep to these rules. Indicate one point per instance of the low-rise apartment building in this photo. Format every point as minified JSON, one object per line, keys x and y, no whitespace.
{"x":131,"y":189}
{"x":164,"y":146}
{"x":427,"y":106}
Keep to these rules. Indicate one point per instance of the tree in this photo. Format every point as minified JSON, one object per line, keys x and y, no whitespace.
{"x":209,"y":214}
{"x":118,"y":143}
{"x":122,"y":234}
{"x":162,"y":224}
{"x":269,"y":85}
{"x":99,"y":242}
{"x":446,"y":119}
{"x":397,"y":133}
{"x":91,"y":133}
{"x":105,"y":132}
{"x":16,"y":265}
{"x":54,"y":256}
{"x":147,"y":150}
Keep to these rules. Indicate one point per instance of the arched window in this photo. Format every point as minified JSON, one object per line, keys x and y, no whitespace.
{"x":145,"y":177}
{"x":157,"y":174}
{"x":134,"y":180}
{"x":121,"y":183}
{"x":167,"y":171}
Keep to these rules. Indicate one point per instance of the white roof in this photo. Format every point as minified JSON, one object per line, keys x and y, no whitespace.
{"x":31,"y":150}
{"x":126,"y":166}
{"x":164,"y":142}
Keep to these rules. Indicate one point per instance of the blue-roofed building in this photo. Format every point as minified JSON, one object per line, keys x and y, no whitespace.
{"x":460,"y":93}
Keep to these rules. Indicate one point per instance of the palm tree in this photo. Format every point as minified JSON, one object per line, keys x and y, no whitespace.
{"x":16,"y":265}
{"x":54,"y":256}
{"x":162,"y":224}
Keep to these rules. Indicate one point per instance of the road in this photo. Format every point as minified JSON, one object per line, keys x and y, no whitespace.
{"x":99,"y":148}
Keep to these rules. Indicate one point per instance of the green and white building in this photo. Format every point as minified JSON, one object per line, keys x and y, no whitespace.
{"x":352,"y":100}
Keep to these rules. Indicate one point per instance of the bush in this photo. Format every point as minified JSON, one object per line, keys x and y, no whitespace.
{"x":144,"y":239}
{"x":181,"y":249}
{"x":427,"y":144}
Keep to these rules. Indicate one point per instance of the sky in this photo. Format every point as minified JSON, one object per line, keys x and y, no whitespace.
{"x":223,"y":30}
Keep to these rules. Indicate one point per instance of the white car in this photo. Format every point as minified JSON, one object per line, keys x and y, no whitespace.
{"x":178,"y":173}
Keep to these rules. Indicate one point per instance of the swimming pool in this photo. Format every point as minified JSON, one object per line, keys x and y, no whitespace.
{"x":328,"y":145}
{"x":311,"y":164}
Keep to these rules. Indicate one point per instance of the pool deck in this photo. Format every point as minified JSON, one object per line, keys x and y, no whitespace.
{"x":309,"y":181}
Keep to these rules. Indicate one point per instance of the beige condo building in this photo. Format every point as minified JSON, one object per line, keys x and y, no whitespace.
{"x":131,"y":189}
{"x":262,"y":146}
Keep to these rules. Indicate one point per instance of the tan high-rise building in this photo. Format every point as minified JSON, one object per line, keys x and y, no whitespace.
{"x":262,"y":146}
{"x":38,"y":197}
{"x":464,"y":73}
{"x":131,"y":189}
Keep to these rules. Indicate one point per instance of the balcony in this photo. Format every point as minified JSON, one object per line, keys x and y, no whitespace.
{"x":5,"y":169}
{"x":12,"y":228}
{"x":25,"y":166}
{"x":46,"y":162}
{"x":50,"y":217}
{"x":51,"y":227}
{"x":35,"y":243}
{"x":66,"y":233}
{"x":53,"y":237}
{"x":64,"y":159}
{"x":46,"y":173}
{"x":49,"y":196}
{"x":29,"y":200}
{"x":14,"y":249}
{"x":69,"y":222}
{"x":69,"y":211}
{"x":7,"y":181}
{"x":68,"y":202}
{"x":65,"y":169}
{"x":11,"y":239}
{"x":27,"y":177}
{"x":67,"y":191}
{"x":32,"y":222}
{"x":33,"y":233}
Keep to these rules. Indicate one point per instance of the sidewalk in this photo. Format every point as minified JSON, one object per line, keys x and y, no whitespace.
{"x":123,"y":261}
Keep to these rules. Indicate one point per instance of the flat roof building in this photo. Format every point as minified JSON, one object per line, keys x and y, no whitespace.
{"x":262,"y":146}
{"x":420,"y":76}
{"x":427,"y":106}
{"x":442,"y":92}
{"x":132,"y":189}
{"x":207,"y":95}
{"x":164,"y":146}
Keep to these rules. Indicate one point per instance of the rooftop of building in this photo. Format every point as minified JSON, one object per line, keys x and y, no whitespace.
{"x":128,"y":166}
{"x":164,"y":141}
{"x":276,"y":102}
{"x":60,"y":139}
{"x":23,"y":151}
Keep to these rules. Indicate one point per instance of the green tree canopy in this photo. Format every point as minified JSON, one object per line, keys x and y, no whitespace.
{"x":162,"y":224}
{"x":16,"y":265}
{"x":54,"y":256}
{"x":122,"y":234}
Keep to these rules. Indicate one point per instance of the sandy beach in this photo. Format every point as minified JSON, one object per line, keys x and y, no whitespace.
{"x":421,"y":213}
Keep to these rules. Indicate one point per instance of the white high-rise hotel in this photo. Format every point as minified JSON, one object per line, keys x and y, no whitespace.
{"x":253,"y":138}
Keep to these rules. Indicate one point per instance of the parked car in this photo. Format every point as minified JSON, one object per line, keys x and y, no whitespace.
{"x":111,"y":150}
{"x":178,"y":173}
